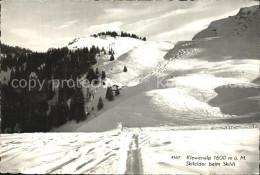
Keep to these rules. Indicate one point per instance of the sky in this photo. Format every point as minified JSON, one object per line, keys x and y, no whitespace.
{"x":42,"y":24}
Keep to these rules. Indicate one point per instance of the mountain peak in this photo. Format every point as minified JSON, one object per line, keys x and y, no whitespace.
{"x":244,"y":23}
{"x":117,"y":44}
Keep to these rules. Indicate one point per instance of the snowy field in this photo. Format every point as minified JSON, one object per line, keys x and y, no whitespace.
{"x":188,"y":85}
{"x":129,"y":151}
{"x":206,"y":104}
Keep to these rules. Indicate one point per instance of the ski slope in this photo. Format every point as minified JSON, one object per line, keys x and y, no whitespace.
{"x":180,"y":89}
{"x":127,"y":151}
{"x":197,"y":82}
{"x":178,"y":86}
{"x":140,"y":62}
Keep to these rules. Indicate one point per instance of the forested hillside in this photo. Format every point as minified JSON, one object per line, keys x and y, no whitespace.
{"x":27,"y":109}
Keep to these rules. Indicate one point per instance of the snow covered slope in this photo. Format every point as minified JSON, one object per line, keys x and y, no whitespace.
{"x":126,"y":151}
{"x":119,"y":44}
{"x":245,"y":23}
{"x":141,"y":61}
{"x":211,"y":82}
{"x":138,"y":56}
{"x":181,"y":89}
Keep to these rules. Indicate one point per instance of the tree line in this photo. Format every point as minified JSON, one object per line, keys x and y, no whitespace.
{"x":122,"y":34}
{"x":25,"y":110}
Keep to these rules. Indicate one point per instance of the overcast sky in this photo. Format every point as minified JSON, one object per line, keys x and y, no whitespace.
{"x":40,"y":25}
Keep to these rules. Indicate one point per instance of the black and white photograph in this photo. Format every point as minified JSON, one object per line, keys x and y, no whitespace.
{"x":129,"y":87}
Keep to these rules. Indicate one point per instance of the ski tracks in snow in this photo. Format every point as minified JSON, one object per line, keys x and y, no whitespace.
{"x":81,"y":158}
{"x":175,"y":54}
{"x":118,"y":152}
{"x":130,"y":161}
{"x":133,"y":163}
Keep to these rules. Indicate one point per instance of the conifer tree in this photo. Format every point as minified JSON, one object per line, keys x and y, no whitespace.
{"x":61,"y":114}
{"x":103,"y":50}
{"x":109,"y":94}
{"x":97,"y":72}
{"x":77,"y":105}
{"x":103,"y":76}
{"x":100,"y":104}
{"x":125,"y":69}
{"x":117,"y":91}
{"x":93,"y":60}
{"x":12,"y":75}
{"x":91,"y":74}
{"x":112,"y":58}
